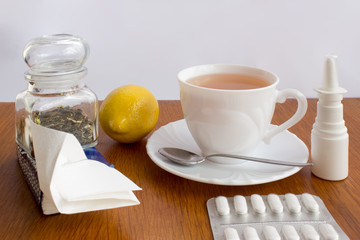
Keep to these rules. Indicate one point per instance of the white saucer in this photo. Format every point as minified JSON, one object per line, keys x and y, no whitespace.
{"x":284,"y":146}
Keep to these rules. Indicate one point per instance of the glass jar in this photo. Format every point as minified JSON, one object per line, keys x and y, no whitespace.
{"x":56,"y":96}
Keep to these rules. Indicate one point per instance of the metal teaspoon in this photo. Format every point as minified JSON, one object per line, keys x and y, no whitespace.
{"x":185,"y":157}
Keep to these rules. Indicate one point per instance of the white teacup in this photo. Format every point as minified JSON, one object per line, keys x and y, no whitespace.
{"x":233,"y":121}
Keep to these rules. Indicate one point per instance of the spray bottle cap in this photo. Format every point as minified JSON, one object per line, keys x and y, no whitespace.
{"x":330,"y":82}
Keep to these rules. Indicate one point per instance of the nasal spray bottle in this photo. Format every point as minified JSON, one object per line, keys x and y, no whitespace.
{"x":329,"y":137}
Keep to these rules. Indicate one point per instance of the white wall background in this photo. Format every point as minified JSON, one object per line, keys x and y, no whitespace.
{"x":146,"y":42}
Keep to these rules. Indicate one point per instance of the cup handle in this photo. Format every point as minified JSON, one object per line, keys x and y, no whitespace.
{"x":298,"y":115}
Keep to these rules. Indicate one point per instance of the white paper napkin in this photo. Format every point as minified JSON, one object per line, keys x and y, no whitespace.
{"x":70,"y":182}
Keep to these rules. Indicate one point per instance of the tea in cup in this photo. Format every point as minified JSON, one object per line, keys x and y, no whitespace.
{"x":229,"y":108}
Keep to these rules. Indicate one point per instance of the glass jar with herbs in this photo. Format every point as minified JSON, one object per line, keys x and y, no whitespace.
{"x":56,"y":96}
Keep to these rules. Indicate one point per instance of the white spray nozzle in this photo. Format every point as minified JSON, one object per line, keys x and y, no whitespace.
{"x":330,"y":83}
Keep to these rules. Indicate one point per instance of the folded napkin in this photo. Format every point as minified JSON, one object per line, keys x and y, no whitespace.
{"x":70,"y":182}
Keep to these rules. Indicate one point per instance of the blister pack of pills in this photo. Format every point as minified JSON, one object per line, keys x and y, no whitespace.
{"x":265,"y":217}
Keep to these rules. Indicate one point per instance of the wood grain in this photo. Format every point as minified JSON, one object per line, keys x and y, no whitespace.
{"x":171,"y":207}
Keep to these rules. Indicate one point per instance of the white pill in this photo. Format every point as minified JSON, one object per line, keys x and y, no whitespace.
{"x":258,"y":203}
{"x":270,"y":233}
{"x":290,"y":233}
{"x":275,"y":203}
{"x":250,"y":233}
{"x":222,"y":206}
{"x":309,"y":202}
{"x":309,"y":232}
{"x":292,"y":203}
{"x":328,"y":232}
{"x":231,"y":234}
{"x":240,"y":204}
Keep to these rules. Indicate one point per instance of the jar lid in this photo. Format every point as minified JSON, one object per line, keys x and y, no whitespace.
{"x":56,"y":53}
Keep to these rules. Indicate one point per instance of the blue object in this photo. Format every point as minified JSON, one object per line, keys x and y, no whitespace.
{"x":94,"y":154}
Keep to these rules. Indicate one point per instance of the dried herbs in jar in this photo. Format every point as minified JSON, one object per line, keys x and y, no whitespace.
{"x":57,"y":96}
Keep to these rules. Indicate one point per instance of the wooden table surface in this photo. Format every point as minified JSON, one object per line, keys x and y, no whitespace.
{"x":171,"y":207}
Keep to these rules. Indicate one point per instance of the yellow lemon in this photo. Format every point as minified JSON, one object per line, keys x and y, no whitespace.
{"x":129,"y":113}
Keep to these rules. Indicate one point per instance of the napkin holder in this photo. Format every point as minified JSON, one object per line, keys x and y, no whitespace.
{"x":28,"y":167}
